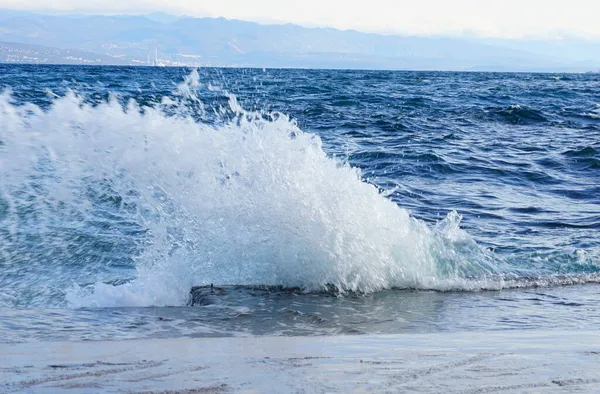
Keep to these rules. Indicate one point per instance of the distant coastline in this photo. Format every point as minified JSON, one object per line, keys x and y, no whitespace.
{"x":165,"y":40}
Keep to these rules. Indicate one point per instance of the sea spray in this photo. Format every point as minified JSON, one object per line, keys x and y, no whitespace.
{"x":177,"y":196}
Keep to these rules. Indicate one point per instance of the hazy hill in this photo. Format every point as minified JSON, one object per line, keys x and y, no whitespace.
{"x":221,"y":42}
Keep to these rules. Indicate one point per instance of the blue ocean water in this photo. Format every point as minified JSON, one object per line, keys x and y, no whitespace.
{"x":427,"y":200}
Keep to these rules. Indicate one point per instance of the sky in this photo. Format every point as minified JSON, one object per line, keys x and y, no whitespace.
{"x":487,"y":18}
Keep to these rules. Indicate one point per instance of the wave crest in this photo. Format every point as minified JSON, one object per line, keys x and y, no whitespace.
{"x":249,"y":200}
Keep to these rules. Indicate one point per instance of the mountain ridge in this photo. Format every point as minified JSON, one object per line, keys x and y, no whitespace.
{"x":163,"y":39}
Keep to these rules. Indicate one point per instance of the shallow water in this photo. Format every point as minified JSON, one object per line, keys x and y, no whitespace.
{"x":446,"y":201}
{"x":245,"y":312}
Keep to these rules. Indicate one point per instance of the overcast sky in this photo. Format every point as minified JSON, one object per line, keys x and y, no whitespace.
{"x":496,"y":18}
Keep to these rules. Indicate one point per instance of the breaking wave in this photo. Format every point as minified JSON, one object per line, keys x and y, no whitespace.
{"x":168,"y":199}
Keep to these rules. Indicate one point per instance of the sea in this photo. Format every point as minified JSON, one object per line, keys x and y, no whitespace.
{"x":151,"y":202}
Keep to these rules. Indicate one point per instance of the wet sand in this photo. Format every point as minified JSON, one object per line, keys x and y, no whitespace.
{"x":470,"y":362}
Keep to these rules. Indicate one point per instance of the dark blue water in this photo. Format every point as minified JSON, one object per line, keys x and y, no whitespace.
{"x":427,"y":200}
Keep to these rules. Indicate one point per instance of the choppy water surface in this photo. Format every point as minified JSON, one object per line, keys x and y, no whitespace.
{"x":429,"y":201}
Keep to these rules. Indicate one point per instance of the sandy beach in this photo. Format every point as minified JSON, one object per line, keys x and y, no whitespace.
{"x":470,"y":362}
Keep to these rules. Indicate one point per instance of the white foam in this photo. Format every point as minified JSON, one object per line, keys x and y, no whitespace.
{"x":253,"y":201}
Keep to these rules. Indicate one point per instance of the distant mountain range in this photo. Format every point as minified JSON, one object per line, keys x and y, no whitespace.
{"x":162,"y":39}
